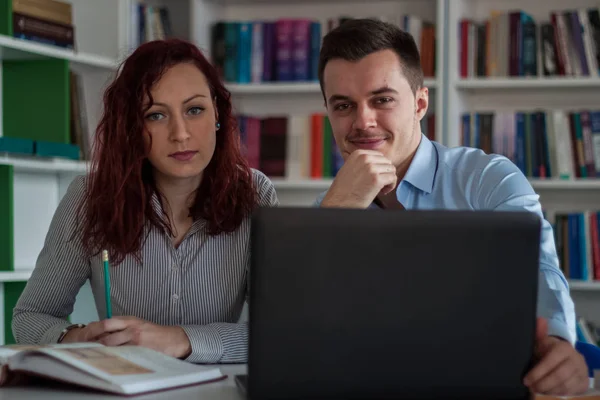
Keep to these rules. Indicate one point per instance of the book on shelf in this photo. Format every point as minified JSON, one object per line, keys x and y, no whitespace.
{"x":149,"y":23}
{"x":587,"y":331}
{"x":80,"y":131}
{"x":297,"y":146}
{"x":577,"y":238}
{"x":561,"y":144}
{"x":124,"y":370}
{"x":514,"y":44}
{"x":42,"y":21}
{"x":287,"y":49}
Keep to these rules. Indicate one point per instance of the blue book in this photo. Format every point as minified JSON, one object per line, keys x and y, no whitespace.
{"x":231,"y":52}
{"x":244,"y":52}
{"x":466,"y":129}
{"x":53,"y":149}
{"x":315,"y":48}
{"x":520,"y":142}
{"x":573,"y":246}
{"x":16,"y":145}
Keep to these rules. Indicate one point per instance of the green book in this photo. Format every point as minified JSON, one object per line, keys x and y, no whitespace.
{"x":36,"y":100}
{"x":6,"y":221}
{"x":6,"y":26}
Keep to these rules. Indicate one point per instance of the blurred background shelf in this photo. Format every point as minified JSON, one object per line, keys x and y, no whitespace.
{"x":43,"y":165}
{"x":528,"y":83}
{"x":22,"y":49}
{"x":288,"y":87}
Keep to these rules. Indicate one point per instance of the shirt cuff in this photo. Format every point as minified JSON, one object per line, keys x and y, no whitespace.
{"x":206,"y":344}
{"x":559,"y":328}
{"x":53,"y":333}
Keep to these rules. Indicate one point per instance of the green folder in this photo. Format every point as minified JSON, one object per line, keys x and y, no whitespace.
{"x":36,"y":100}
{"x":6,"y":221}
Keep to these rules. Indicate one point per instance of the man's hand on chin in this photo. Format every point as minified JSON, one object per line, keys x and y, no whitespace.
{"x":559,"y":369}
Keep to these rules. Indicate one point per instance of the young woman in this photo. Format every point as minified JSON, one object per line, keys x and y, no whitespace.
{"x":169,"y":196}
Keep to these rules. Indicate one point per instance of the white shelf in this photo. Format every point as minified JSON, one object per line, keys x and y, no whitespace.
{"x":528,"y":83}
{"x":287,"y":87}
{"x":286,"y":2}
{"x":300,"y":184}
{"x":564,"y":184}
{"x":584,"y":285}
{"x":21,"y":49}
{"x":43,"y":165}
{"x":274,"y":87}
{"x":15,"y":276}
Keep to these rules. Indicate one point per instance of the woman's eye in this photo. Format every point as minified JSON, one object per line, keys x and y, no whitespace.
{"x":195,"y":110}
{"x":154,"y":116}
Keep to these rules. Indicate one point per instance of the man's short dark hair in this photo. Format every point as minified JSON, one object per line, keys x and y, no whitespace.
{"x":355,"y":39}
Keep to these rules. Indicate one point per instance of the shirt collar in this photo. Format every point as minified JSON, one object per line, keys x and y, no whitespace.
{"x":196,"y":226}
{"x":421,"y":171}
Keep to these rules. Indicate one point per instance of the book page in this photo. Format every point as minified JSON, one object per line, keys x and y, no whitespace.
{"x":12,"y":349}
{"x":105,"y":361}
{"x":132,"y":367}
{"x":7,"y":351}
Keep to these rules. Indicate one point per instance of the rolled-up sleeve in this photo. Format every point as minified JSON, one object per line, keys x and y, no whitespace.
{"x":503,"y":187}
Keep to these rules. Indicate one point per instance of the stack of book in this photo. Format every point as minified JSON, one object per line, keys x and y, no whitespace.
{"x":578,"y":244}
{"x":149,"y":23}
{"x":298,"y":146}
{"x":542,"y":143}
{"x":43,"y":21}
{"x":512,"y":44}
{"x":287,"y":49}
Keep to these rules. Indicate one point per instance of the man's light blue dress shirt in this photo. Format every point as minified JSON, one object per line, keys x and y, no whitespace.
{"x":466,"y":178}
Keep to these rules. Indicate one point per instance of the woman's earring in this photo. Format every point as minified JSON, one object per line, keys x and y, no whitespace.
{"x":218,"y":125}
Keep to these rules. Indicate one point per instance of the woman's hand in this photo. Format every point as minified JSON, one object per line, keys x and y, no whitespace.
{"x":118,"y":331}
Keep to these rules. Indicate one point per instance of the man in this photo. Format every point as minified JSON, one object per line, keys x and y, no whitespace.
{"x":372,"y":83}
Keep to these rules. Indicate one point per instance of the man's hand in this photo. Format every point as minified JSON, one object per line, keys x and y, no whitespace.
{"x":560,"y":369}
{"x":364,"y":175}
{"x":117,"y":331}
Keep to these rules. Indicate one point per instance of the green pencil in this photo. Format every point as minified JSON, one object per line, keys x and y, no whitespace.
{"x":106,"y":284}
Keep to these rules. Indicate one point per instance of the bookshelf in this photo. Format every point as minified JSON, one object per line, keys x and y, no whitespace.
{"x":526,"y":83}
{"x":493,"y":72}
{"x":36,"y":100}
{"x":303,"y":99}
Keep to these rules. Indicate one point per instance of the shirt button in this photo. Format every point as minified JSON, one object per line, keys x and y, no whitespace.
{"x":175,"y":296}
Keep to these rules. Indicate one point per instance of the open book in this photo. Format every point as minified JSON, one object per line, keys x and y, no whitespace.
{"x":127,"y":370}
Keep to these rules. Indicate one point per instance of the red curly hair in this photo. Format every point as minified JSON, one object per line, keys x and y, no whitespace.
{"x":117,"y":204}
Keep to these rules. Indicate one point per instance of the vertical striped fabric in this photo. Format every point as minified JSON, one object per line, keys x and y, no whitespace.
{"x":200,"y":286}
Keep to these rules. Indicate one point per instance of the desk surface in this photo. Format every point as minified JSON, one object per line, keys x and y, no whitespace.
{"x":221,"y":390}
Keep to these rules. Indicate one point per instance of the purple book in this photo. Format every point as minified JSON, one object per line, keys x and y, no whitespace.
{"x":301,"y":55}
{"x":285,"y":46}
{"x":269,"y":51}
{"x":578,"y":41}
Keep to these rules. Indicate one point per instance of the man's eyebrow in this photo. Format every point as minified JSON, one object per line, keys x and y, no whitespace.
{"x":384,"y":89}
{"x":338,"y":97}
{"x":381,"y":90}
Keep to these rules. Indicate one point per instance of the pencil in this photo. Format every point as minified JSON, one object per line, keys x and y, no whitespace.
{"x":106,"y":284}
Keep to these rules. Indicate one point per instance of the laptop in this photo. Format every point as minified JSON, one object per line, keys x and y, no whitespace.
{"x":357,"y":304}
